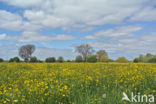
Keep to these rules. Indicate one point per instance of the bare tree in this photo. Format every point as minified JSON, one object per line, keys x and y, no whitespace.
{"x":85,"y":50}
{"x":26,"y":51}
{"x":101,"y":53}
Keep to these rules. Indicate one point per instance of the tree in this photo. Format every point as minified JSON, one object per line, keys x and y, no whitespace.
{"x":60,"y":59}
{"x":1,"y":60}
{"x":40,"y":61}
{"x":79,"y":59}
{"x":149,"y":55}
{"x":11,"y":60}
{"x":26,"y":51}
{"x":92,"y":58}
{"x":33,"y":59}
{"x":110,"y":60}
{"x":152,"y":60}
{"x":136,"y":60}
{"x":122,"y":60}
{"x":15,"y":59}
{"x":68,"y":60}
{"x":85,"y":50}
{"x":104,"y":58}
{"x":50,"y":59}
{"x":141,"y":58}
{"x":101,"y":53}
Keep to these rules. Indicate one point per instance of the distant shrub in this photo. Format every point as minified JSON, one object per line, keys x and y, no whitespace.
{"x":15,"y":59}
{"x":68,"y":60}
{"x":122,"y":60}
{"x":60,"y":59}
{"x":136,"y":60}
{"x":40,"y":61}
{"x":33,"y":59}
{"x":145,"y":58}
{"x":50,"y":59}
{"x":79,"y":59}
{"x":1,"y":60}
{"x":111,"y":60}
{"x":104,"y":58}
{"x":92,"y":58}
{"x":153,"y":60}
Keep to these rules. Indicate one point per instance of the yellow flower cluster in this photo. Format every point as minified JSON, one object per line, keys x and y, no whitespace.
{"x":73,"y":83}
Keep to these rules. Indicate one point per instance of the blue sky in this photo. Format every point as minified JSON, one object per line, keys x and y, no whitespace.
{"x":121,"y":27}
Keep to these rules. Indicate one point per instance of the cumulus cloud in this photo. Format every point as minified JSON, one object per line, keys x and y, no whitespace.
{"x":23,"y":3}
{"x":70,"y":14}
{"x":146,"y":14}
{"x":77,"y":14}
{"x":96,"y":12}
{"x":8,"y":51}
{"x":30,"y":36}
{"x":2,"y":36}
{"x":10,"y":21}
{"x":114,"y":33}
{"x":14,"y":22}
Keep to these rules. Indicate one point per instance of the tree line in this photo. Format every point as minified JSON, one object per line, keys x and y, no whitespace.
{"x":86,"y":54}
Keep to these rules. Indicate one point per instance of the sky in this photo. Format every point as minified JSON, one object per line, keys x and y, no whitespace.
{"x":121,"y":27}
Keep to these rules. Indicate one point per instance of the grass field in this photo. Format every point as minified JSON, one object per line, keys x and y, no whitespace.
{"x":74,"y":83}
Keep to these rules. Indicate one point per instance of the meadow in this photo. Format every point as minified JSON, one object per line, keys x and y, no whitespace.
{"x":74,"y":83}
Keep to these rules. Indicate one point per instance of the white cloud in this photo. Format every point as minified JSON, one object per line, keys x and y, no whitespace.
{"x":70,"y":14}
{"x":30,"y":36}
{"x":24,"y":3}
{"x":13,"y":21}
{"x":29,"y":26}
{"x":2,"y":36}
{"x":78,"y":14}
{"x":146,"y":14}
{"x":90,"y":13}
{"x":10,"y":21}
{"x":150,"y":40}
{"x":8,"y":51}
{"x":116,"y":32}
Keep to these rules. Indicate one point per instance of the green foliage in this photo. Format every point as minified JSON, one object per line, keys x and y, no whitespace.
{"x":50,"y":59}
{"x":15,"y":59}
{"x":136,"y":60}
{"x":122,"y":60}
{"x":104,"y":58}
{"x":40,"y":61}
{"x":68,"y":60}
{"x":147,"y":58}
{"x":141,"y":58}
{"x":148,"y":55}
{"x":110,"y":60}
{"x":152,"y":60}
{"x":92,"y":58}
{"x":101,"y":53}
{"x":79,"y":59}
{"x":60,"y":59}
{"x":1,"y":60}
{"x":33,"y":59}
